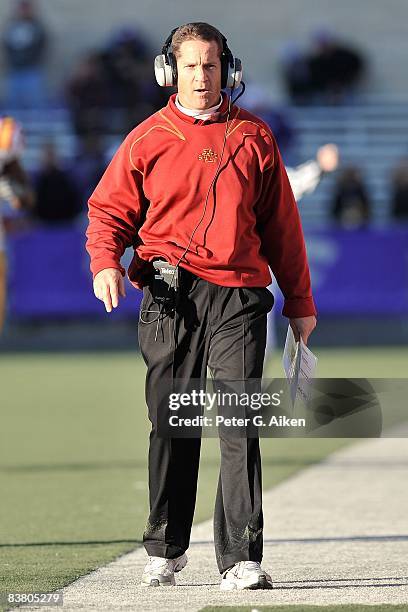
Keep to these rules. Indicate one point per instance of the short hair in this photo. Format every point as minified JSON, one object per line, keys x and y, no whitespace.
{"x":198,"y":30}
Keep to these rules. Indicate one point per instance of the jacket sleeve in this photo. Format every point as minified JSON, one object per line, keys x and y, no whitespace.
{"x":115,"y":211}
{"x":282,"y":241}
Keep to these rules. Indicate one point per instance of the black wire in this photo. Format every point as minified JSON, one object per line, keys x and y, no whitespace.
{"x":240,"y":93}
{"x":159,"y":318}
{"x":230,"y":103}
{"x":211,"y":184}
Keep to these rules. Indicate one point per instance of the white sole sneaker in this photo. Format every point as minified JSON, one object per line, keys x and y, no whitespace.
{"x":163,"y":575}
{"x":245,"y":575}
{"x":248,"y":584}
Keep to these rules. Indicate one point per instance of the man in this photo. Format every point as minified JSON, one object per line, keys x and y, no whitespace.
{"x":201,"y":186}
{"x":305,"y":178}
{"x":15,"y":190}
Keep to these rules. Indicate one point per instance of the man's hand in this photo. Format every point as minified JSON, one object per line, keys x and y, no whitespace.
{"x":108,"y":286}
{"x":328,"y":157}
{"x":303,"y":326}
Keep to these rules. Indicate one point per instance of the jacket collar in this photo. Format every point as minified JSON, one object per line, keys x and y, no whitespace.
{"x":218,"y":117}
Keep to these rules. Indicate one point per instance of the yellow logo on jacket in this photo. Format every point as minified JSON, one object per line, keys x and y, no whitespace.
{"x":208,"y":155}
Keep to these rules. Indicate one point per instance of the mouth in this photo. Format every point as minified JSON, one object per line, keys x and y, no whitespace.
{"x":202,"y":91}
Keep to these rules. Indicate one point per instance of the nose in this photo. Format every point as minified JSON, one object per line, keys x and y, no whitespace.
{"x":200,"y":74}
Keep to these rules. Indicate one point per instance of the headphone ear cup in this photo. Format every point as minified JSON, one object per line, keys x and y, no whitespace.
{"x":234,"y":75}
{"x":163,"y":71}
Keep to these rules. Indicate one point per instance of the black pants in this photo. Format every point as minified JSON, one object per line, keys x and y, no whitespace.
{"x":224,"y":328}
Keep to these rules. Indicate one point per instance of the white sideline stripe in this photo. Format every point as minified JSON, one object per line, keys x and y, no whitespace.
{"x":346,"y":496}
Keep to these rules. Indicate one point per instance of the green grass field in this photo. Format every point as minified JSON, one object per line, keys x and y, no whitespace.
{"x":73,"y":449}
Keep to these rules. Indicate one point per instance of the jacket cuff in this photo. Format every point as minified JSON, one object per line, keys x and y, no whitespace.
{"x":294,"y":308}
{"x":103,"y":263}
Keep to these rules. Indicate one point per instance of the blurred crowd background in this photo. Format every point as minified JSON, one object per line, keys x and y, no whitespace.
{"x":78,"y":88}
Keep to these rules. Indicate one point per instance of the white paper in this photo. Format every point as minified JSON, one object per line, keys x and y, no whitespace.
{"x":290,"y":361}
{"x":307,"y":369}
{"x":299,"y":364}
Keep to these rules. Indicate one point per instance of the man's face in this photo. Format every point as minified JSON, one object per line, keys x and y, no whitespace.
{"x":199,"y":74}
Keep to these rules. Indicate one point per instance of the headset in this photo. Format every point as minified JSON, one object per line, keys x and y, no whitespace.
{"x":165,"y":65}
{"x":165,"y":69}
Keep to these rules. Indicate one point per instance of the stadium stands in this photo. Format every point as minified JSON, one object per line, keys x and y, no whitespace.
{"x":372,"y":134}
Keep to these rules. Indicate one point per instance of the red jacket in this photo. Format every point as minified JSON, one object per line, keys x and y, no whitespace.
{"x":153,"y":192}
